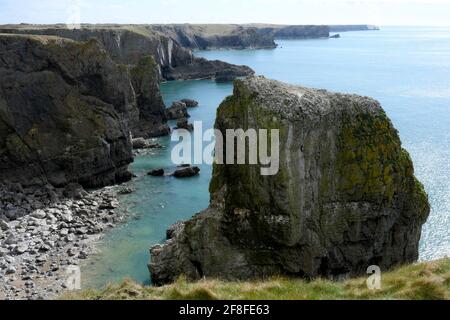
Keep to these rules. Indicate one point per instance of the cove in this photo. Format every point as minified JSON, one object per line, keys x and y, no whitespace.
{"x":406,"y":69}
{"x":158,"y":202}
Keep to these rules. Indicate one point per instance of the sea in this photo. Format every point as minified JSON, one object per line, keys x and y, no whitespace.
{"x":406,"y":68}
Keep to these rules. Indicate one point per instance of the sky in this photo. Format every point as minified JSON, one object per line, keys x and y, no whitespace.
{"x":377,"y":12}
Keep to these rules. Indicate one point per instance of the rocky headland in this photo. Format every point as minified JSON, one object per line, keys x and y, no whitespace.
{"x":67,"y":114}
{"x":76,"y":105}
{"x":216,"y":36}
{"x":72,"y":99}
{"x":355,"y":27}
{"x":234,"y":36}
{"x":294,"y":32}
{"x":128,"y":44}
{"x":345,"y":197}
{"x":71,"y":117}
{"x":171,"y":44}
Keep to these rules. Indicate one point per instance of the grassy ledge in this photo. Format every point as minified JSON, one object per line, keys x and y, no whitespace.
{"x":425,"y":281}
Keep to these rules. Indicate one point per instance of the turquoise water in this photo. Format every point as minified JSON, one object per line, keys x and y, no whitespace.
{"x":406,"y":69}
{"x":158,"y":202}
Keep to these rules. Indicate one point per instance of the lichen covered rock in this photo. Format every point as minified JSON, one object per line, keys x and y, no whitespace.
{"x":345,"y":197}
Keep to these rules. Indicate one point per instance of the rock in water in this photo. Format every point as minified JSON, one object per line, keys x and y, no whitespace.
{"x":190,"y":103}
{"x":225,"y":76}
{"x":156,"y":173}
{"x":345,"y":197}
{"x":184,"y":124}
{"x":178,"y":110}
{"x":186,"y":172}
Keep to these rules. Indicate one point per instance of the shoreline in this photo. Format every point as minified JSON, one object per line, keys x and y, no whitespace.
{"x":36,"y":249}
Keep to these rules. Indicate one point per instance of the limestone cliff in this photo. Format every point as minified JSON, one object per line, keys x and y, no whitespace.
{"x":294,"y":32}
{"x":65,"y":112}
{"x":234,"y":36}
{"x":345,"y":197}
{"x":216,"y":36}
{"x":127,"y":44}
{"x":145,"y":81}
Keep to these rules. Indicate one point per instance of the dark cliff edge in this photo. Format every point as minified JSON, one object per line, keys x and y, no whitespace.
{"x":345,"y":197}
{"x":234,"y":36}
{"x":65,"y":111}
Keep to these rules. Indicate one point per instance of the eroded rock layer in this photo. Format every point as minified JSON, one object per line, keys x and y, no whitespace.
{"x":345,"y":197}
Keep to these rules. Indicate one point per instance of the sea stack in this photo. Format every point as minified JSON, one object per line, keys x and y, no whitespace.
{"x":345,"y":197}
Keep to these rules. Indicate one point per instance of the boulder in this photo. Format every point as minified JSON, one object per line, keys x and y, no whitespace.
{"x":142,"y":144}
{"x":11,"y":270}
{"x":186,"y":172}
{"x":21,"y":248}
{"x":345,"y":197}
{"x":39,"y":214}
{"x":190,"y":103}
{"x":126,"y":191}
{"x":13,"y":213}
{"x":184,"y":124}
{"x":74,"y":190}
{"x":4,"y":226}
{"x":178,"y":110}
{"x":139,"y":143}
{"x":156,"y":173}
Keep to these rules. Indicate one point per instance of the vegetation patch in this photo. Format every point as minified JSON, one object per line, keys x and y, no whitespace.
{"x":426,"y":281}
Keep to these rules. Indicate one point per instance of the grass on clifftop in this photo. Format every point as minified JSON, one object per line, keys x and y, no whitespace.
{"x":427,"y":281}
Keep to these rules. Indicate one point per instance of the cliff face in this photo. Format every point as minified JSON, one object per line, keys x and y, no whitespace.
{"x":129,"y":44}
{"x":68,"y":107}
{"x":226,"y":36}
{"x":345,"y":197}
{"x":231,"y":36}
{"x":65,"y":111}
{"x":171,"y":45}
{"x":145,"y":81}
{"x":125,"y":44}
{"x":295,"y":32}
{"x":211,"y":36}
